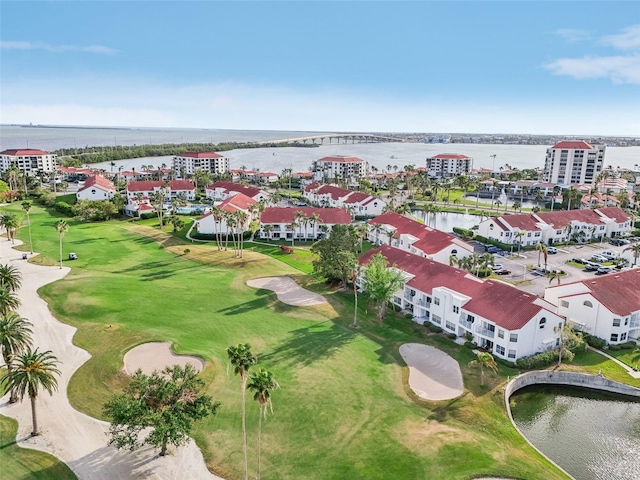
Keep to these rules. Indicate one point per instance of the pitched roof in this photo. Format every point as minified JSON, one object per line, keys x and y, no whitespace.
{"x":330,"y":216}
{"x":341,"y":159}
{"x":200,"y":155}
{"x":24,"y":152}
{"x":452,"y":156}
{"x":520,"y":221}
{"x":618,"y":291}
{"x":335,"y":192}
{"x":614,"y":212}
{"x":235,"y":187}
{"x":302,"y":175}
{"x":573,"y":145}
{"x":357,"y":197}
{"x":562,"y":218}
{"x":98,"y":181}
{"x":238,"y":202}
{"x":494,"y":300}
{"x":429,"y":240}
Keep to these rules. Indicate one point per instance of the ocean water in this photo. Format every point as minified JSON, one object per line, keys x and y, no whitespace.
{"x":384,"y":156}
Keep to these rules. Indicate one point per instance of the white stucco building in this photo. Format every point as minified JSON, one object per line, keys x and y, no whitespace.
{"x":358,"y":203}
{"x":607,"y":306}
{"x":190,"y":162}
{"x":174,"y":188}
{"x":216,"y":221}
{"x":221,"y":190}
{"x":28,"y":160}
{"x":96,"y":188}
{"x":309,"y":223}
{"x":449,"y":165}
{"x":506,"y":321}
{"x":573,"y":162}
{"x":340,"y":168}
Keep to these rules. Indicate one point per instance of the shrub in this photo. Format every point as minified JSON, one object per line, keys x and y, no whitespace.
{"x":631,"y":345}
{"x":470,"y":345}
{"x":452,"y":336}
{"x":64,"y":208}
{"x":433,"y":328}
{"x":146,"y":216}
{"x":615,"y":348}
{"x":489,"y":241}
{"x":593,"y":341}
{"x":408,"y":316}
{"x":505,"y":363}
{"x":541,"y":360}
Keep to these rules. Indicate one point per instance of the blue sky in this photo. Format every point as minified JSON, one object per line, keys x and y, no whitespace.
{"x":557,"y":67}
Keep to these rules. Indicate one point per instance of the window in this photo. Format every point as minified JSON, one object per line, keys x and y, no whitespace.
{"x":470,"y":318}
{"x":436,"y":319}
{"x":500,"y":333}
{"x":436,"y":300}
{"x":450,"y":326}
{"x":513,"y":337}
{"x":626,"y":321}
{"x":500,"y":350}
{"x":564,"y":303}
{"x":456,"y":309}
{"x":543,"y":322}
{"x":587,"y":303}
{"x":512,"y":354}
{"x":616,"y":322}
{"x":614,"y":337}
{"x":623,"y":337}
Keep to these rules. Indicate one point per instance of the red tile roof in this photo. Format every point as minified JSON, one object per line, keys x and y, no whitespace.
{"x":614,"y":212}
{"x":311,"y":186}
{"x":357,"y":197}
{"x":150,"y":185}
{"x":520,"y":221}
{"x":24,"y":152}
{"x":453,"y":156}
{"x":235,"y":187}
{"x":329,"y":216}
{"x":201,"y":155}
{"x":493,"y":300}
{"x":573,"y":145}
{"x":341,"y":159}
{"x":99,"y":181}
{"x":302,"y":175}
{"x":335,"y":192}
{"x":619,"y":292}
{"x":562,"y":218}
{"x":238,"y":202}
{"x":429,"y":240}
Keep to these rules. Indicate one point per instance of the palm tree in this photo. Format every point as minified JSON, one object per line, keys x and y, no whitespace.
{"x":542,"y":249}
{"x":635,"y":248}
{"x":9,"y":301}
{"x":11,"y":223}
{"x":262,"y":383}
{"x":485,"y":359}
{"x":555,"y":275}
{"x":62,"y":227}
{"x":26,"y":206}
{"x":32,"y":371}
{"x":242,"y":359}
{"x":15,"y":337}
{"x":10,"y":277}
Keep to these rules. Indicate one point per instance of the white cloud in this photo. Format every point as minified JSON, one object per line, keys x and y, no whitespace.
{"x":620,"y":69}
{"x":629,"y":39}
{"x":21,"y":45}
{"x":573,"y":34}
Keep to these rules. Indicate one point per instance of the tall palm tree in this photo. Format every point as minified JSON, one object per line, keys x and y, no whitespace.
{"x":555,"y":275}
{"x":484,"y":359}
{"x":10,"y":277}
{"x":262,"y":383}
{"x":62,"y":227}
{"x":11,"y":223}
{"x":635,"y":249}
{"x":26,"y":206}
{"x":15,"y":337}
{"x":31,"y":372}
{"x":542,"y":250}
{"x":9,"y":301}
{"x":242,"y":359}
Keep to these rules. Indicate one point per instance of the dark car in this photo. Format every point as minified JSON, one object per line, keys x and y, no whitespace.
{"x":503,"y":272}
{"x":581,"y":261}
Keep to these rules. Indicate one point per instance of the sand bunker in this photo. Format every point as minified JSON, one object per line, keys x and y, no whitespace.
{"x":288,"y":291}
{"x":433,"y":375}
{"x":155,"y":356}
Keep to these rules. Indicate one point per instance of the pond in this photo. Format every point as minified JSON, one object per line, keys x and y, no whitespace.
{"x":445,"y":221}
{"x":591,"y":435}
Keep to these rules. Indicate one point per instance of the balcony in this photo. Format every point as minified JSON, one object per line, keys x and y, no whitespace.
{"x":634,"y":324}
{"x":465,"y":324}
{"x":422,"y":303}
{"x":485,"y":332}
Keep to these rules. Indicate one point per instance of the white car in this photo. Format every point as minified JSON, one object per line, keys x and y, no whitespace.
{"x":552,"y":250}
{"x":497,"y":267}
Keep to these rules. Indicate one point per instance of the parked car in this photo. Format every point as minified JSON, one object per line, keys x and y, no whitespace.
{"x":503,"y":272}
{"x":590,"y":266}
{"x":618,"y":242}
{"x":610,"y":254}
{"x":581,"y":261}
{"x":604,"y":270}
{"x":494,"y":249}
{"x":73,"y":256}
{"x":599,"y":258}
{"x":552,"y":250}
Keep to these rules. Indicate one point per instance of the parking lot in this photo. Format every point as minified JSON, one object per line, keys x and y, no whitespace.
{"x":536,"y":282}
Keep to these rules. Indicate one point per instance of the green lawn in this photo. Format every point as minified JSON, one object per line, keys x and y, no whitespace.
{"x":630,"y":357}
{"x":23,"y":463}
{"x":344,"y":409}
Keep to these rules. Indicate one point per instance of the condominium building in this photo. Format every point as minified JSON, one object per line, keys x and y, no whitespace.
{"x":449,"y":165}
{"x":573,"y":162}
{"x":28,"y":160}
{"x":340,"y":168}
{"x":186,"y":164}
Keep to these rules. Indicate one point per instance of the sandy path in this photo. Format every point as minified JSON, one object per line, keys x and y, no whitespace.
{"x":287,"y":291}
{"x":155,"y":356}
{"x":433,"y":375}
{"x":75,"y":438}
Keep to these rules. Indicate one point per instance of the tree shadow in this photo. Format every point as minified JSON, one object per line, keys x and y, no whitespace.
{"x":305,"y":346}
{"x":245,"y":307}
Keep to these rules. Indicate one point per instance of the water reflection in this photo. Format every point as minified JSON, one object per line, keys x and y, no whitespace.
{"x":592,"y":436}
{"x":445,"y":221}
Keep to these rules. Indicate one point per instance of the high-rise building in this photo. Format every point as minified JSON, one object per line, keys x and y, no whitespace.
{"x":573,"y":162}
{"x":186,"y":164}
{"x":28,"y":160}
{"x":340,"y":168}
{"x":449,"y":165}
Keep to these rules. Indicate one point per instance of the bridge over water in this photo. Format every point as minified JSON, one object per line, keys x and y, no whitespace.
{"x":339,"y":138}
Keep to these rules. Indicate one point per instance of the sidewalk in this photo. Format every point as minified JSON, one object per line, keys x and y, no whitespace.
{"x":629,"y":370}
